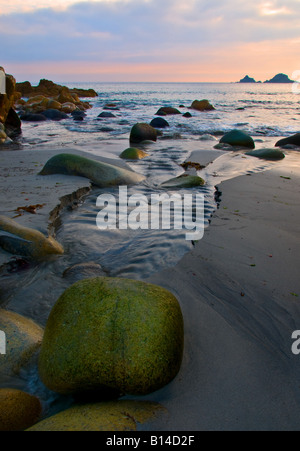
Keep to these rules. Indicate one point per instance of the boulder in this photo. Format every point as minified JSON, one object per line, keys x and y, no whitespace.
{"x":202,"y":105}
{"x":54,"y":105}
{"x":167,"y":111}
{"x":132,"y":153}
{"x":23,"y":339}
{"x":159,"y":122}
{"x":99,"y":173}
{"x":122,"y":334}
{"x":142,"y":132}
{"x":106,"y":114}
{"x":68,"y":107}
{"x":238,"y":138}
{"x":291,"y":140}
{"x":188,"y":115}
{"x":54,"y":115}
{"x":84,"y":92}
{"x":18,"y":410}
{"x":32,"y":117}
{"x":184,"y":181}
{"x":123,"y":415}
{"x":25,"y":241}
{"x":267,"y":154}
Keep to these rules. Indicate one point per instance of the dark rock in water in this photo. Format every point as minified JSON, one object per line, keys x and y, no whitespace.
{"x":111,"y":106}
{"x":78,"y":113}
{"x":181,"y":106}
{"x":78,"y":118}
{"x":142,"y":132}
{"x":159,"y":122}
{"x":166,"y":111}
{"x":13,"y":125}
{"x":247,"y":79}
{"x":31,"y":117}
{"x":280,"y":78}
{"x":54,"y":115}
{"x":83,"y":271}
{"x":187,"y":115}
{"x":238,"y":138}
{"x":106,"y":115}
{"x":106,"y":129}
{"x":294,"y":140}
{"x":267,"y":154}
{"x":202,"y":105}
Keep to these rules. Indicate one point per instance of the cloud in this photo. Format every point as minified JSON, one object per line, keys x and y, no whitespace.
{"x":128,"y":33}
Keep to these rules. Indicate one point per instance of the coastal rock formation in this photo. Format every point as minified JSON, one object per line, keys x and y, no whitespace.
{"x":121,"y":334}
{"x":99,"y":173}
{"x":18,"y":411}
{"x":54,"y":115}
{"x":47,"y":88}
{"x":107,"y":417}
{"x":23,"y":338}
{"x":247,"y":79}
{"x":32,"y":117}
{"x":167,"y":111}
{"x":142,"y":132}
{"x":106,"y":114}
{"x":267,"y":154}
{"x":7,"y":113}
{"x":202,"y":105}
{"x":293,"y":140}
{"x":238,"y":138}
{"x":159,"y":122}
{"x":184,"y":181}
{"x":280,"y":78}
{"x":26,"y":242}
{"x":132,"y":153}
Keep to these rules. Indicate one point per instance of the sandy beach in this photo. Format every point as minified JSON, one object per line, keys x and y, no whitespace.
{"x":239,"y":291}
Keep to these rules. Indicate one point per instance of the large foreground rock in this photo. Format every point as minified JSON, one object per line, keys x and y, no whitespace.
{"x":101,"y":174}
{"x":23,"y":339}
{"x":106,"y":417}
{"x":238,"y":138}
{"x":121,"y":334}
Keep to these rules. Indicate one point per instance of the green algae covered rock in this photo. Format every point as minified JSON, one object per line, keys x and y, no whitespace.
{"x":267,"y":154}
{"x":132,"y":153}
{"x":100,"y":173}
{"x":23,"y":338}
{"x":107,"y":417}
{"x":238,"y":138}
{"x":184,"y":181}
{"x":121,"y":334}
{"x":18,"y":410}
{"x":142,"y":132}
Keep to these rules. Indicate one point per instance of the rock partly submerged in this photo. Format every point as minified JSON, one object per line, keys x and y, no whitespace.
{"x":142,"y":132}
{"x":238,"y":138}
{"x":167,"y":111}
{"x":184,"y":181}
{"x":267,"y":154}
{"x":112,"y":333}
{"x":99,"y":173}
{"x":202,"y":105}
{"x":132,"y":153}
{"x":20,"y":240}
{"x":291,"y":140}
{"x":113,"y":416}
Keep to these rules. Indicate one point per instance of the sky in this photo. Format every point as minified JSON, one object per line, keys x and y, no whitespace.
{"x":149,"y":40}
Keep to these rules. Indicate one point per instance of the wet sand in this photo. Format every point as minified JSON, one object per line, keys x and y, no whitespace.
{"x":239,"y":291}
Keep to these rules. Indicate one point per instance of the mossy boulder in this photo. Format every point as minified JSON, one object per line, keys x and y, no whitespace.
{"x":184,"y":181}
{"x":132,"y":153}
{"x":25,"y":241}
{"x":167,"y":111}
{"x":18,"y":410}
{"x":23,"y":339}
{"x":238,"y":138}
{"x":202,"y":105}
{"x":142,"y":132}
{"x":100,"y":173}
{"x":105,"y":417}
{"x":121,"y":334}
{"x":267,"y":154}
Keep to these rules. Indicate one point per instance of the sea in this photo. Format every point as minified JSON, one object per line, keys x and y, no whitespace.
{"x":266,"y":111}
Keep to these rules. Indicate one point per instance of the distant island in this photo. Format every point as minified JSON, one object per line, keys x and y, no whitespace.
{"x":279,"y":78}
